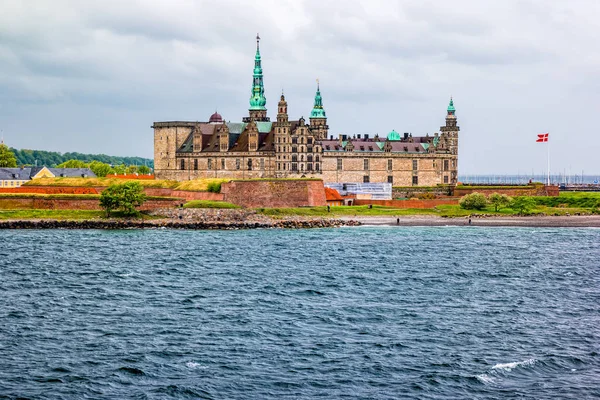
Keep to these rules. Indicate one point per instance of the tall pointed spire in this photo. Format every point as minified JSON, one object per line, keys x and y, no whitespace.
{"x":451,"y":109}
{"x":318,"y":111}
{"x":257,"y":97}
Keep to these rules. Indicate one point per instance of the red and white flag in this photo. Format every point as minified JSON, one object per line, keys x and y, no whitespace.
{"x":542,"y":137}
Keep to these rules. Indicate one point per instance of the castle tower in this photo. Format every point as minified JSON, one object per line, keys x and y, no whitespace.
{"x":257,"y":111}
{"x":318,"y":118}
{"x":450,"y":136}
{"x":282,"y":138}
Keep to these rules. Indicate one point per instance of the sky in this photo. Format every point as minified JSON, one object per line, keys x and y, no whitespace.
{"x":92,"y":76}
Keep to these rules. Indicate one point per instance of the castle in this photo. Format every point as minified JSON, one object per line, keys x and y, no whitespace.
{"x":259,"y":148}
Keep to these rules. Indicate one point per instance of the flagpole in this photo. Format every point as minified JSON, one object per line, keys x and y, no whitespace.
{"x":548,"y":148}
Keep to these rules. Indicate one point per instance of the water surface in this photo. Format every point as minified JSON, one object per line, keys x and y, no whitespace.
{"x":383,"y":313}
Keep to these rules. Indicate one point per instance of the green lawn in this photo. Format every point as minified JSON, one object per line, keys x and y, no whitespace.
{"x":208,"y":204}
{"x":50,"y":214}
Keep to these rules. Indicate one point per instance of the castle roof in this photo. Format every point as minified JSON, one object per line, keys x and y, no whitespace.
{"x":215,"y":118}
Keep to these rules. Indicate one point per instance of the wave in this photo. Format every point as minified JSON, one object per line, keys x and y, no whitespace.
{"x":510,"y":366}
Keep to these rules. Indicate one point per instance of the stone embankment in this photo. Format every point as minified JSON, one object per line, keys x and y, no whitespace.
{"x":184,"y":219}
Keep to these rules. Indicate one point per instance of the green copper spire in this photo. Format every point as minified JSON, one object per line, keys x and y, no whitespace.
{"x":257,"y":98}
{"x":451,"y":108}
{"x":318,"y":111}
{"x":393,"y":135}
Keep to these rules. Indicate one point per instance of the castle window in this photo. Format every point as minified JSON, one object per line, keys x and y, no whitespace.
{"x":301,"y":167}
{"x":339,"y":164}
{"x":366,"y":179}
{"x":302,"y":157}
{"x":182,"y":164}
{"x":210,"y":164}
{"x":316,"y":166}
{"x":309,"y":140}
{"x":317,"y":158}
{"x":294,"y":149}
{"x":222,"y":163}
{"x":415,"y":165}
{"x":294,"y":166}
{"x":453,"y":164}
{"x":390,"y":164}
{"x":294,"y":158}
{"x":366,"y":164}
{"x":262,"y":163}
{"x":309,"y":167}
{"x":249,"y":164}
{"x":309,"y":158}
{"x":196,"y":164}
{"x":390,"y":179}
{"x":309,"y":149}
{"x":237,"y":163}
{"x":362,"y":148}
{"x":415,"y":180}
{"x":446,"y":165}
{"x":445,"y":178}
{"x":405,"y":148}
{"x":278,"y":166}
{"x":294,"y":140}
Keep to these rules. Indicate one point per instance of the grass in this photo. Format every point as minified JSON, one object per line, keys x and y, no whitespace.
{"x":209,"y":204}
{"x":339,"y":211}
{"x":495,"y":187}
{"x":450,"y":211}
{"x":570,"y":199}
{"x":51,"y":214}
{"x":197,"y":185}
{"x":78,"y":215}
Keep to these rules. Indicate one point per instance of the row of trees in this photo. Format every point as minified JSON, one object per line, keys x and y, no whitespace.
{"x":478,"y":201}
{"x":102,"y":169}
{"x":53,"y":159}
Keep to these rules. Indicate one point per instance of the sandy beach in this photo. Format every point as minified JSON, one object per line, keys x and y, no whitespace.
{"x":592,"y":221}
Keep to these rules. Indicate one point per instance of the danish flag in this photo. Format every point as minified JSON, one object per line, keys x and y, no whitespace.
{"x":542,"y":137}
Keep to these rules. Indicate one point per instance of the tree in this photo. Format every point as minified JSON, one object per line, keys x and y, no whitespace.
{"x":73,"y":164}
{"x":499,"y":201}
{"x":523,"y":204}
{"x":144,"y":170}
{"x":100,"y":169}
{"x":7,"y":157}
{"x":473,"y":201}
{"x":119,"y":169}
{"x":132,"y":169}
{"x":125,"y":197}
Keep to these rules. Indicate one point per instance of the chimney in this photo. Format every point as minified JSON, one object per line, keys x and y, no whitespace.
{"x":366,"y":136}
{"x":330,"y":137}
{"x":344,"y":138}
{"x":405,"y":135}
{"x":358,"y":136}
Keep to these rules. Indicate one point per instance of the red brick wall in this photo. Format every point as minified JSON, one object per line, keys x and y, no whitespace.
{"x":407,"y":203}
{"x":184,"y":194}
{"x":72,"y":204}
{"x":274,"y":193}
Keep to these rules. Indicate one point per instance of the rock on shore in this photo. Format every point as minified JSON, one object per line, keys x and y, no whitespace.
{"x":185,"y":219}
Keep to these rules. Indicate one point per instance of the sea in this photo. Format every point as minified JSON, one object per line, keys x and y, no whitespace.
{"x":347,"y":313}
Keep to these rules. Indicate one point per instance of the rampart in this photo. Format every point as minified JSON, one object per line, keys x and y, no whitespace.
{"x":274,"y":193}
{"x":525,"y":190}
{"x":33,"y":203}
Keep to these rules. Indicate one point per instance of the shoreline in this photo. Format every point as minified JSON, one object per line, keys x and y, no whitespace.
{"x":219,"y":223}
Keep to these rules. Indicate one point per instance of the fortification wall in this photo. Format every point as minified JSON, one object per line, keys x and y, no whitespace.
{"x":33,"y":203}
{"x":275,"y":193}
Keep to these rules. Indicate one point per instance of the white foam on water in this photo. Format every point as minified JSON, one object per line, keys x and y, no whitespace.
{"x":194,"y":365}
{"x":513,"y":365}
{"x":485,"y":378}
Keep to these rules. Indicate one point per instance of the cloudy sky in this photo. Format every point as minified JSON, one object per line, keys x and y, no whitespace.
{"x":92,"y":76}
